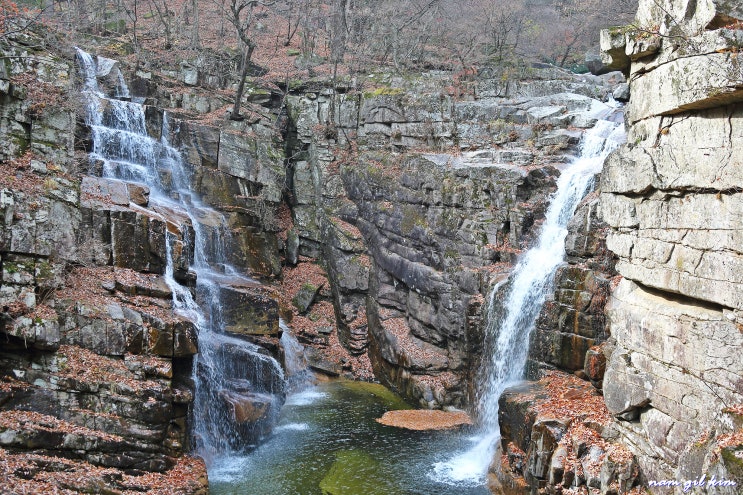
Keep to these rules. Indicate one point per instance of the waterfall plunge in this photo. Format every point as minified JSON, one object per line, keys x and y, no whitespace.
{"x":228,"y":371}
{"x":512,"y":312}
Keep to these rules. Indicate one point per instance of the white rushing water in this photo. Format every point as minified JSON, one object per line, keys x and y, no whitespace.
{"x":227,"y":370}
{"x":511,"y":316}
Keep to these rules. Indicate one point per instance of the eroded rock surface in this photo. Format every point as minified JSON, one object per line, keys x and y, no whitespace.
{"x":670,"y":198}
{"x":413,"y":239}
{"x":558,"y":435}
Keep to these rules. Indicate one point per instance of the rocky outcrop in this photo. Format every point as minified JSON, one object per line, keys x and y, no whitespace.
{"x":557,"y":435}
{"x":669,"y":196}
{"x":93,"y":367}
{"x":96,"y":366}
{"x":413,"y":239}
{"x":432,"y":229}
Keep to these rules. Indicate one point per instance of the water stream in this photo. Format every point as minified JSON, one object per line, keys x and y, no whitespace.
{"x":327,"y":441}
{"x":230,"y":374}
{"x":514,"y":306}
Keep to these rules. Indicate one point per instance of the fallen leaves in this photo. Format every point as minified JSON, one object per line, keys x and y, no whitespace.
{"x":29,"y":420}
{"x":425,"y":419}
{"x":31,"y":473}
{"x":87,"y":367}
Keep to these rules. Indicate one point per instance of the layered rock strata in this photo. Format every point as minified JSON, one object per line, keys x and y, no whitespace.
{"x":573,"y":321}
{"x":412,"y":226}
{"x":671,"y":196}
{"x":557,"y":436}
{"x":95,"y":365}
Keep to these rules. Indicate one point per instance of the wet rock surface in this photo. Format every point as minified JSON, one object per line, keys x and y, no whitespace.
{"x":573,"y":320}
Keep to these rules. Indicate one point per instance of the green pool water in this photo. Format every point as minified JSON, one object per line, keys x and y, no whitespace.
{"x":327,"y":442}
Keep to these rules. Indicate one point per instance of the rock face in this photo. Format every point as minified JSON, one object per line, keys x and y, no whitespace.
{"x":573,"y":321}
{"x":96,"y":367}
{"x":670,"y":197}
{"x":407,"y":235}
{"x":557,"y":435}
{"x":239,"y":170}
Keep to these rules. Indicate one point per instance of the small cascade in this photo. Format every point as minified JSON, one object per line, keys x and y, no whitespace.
{"x":514,"y":306}
{"x":238,"y":386}
{"x":298,"y":372}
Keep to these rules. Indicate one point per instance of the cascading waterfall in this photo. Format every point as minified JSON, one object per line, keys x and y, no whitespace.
{"x":230,"y":374}
{"x":514,"y":306}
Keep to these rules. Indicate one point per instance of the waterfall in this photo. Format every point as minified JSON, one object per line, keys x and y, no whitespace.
{"x":237,"y":385}
{"x":514,"y":306}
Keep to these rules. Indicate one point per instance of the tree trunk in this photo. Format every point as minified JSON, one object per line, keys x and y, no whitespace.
{"x":195,"y":42}
{"x":235,"y":115}
{"x":338,"y":43}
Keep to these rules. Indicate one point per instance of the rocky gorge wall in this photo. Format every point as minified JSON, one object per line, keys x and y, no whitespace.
{"x":96,"y":365}
{"x":381,"y":218}
{"x":672,"y":199}
{"x":663,"y":255}
{"x":408,"y":204}
{"x":418,"y":202}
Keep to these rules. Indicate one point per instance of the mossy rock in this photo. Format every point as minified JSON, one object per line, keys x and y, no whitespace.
{"x":392,"y":401}
{"x":356,"y":473}
{"x":305,"y":297}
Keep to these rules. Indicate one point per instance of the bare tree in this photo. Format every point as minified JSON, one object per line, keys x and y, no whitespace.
{"x":338,"y":32}
{"x":292,"y":11}
{"x":195,"y":42}
{"x":570,"y":27}
{"x":391,"y":30}
{"x":242,"y":15}
{"x":505,"y":25}
{"x":165,"y":18}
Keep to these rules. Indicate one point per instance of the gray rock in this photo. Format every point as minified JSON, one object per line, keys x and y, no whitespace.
{"x":305,"y":297}
{"x":190,"y":75}
{"x":621,"y":92}
{"x":249,"y":310}
{"x":706,"y":83}
{"x":292,"y":247}
{"x":613,"y":45}
{"x":595,"y":63}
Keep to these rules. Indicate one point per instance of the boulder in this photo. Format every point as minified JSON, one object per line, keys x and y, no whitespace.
{"x":305,"y":297}
{"x":595,"y":63}
{"x":246,"y":408}
{"x":613,"y":47}
{"x":249,"y":310}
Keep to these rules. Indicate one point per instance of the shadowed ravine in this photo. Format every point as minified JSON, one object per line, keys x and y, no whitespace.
{"x":327,"y":441}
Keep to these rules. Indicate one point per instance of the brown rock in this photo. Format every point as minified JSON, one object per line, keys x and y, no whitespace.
{"x":425,"y":419}
{"x":595,"y":364}
{"x":139,"y":194}
{"x":246,"y":407}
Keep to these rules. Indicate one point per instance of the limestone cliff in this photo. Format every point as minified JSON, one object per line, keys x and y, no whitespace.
{"x":672,"y":197}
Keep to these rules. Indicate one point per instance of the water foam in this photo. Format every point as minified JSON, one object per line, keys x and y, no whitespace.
{"x":514,"y":307}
